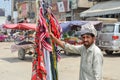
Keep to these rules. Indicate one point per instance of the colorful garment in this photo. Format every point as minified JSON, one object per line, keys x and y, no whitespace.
{"x":45,"y":59}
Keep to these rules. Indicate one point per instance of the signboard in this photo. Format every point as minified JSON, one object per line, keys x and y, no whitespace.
{"x":61,"y":7}
{"x":23,"y":9}
{"x":73,"y":4}
{"x":54,"y":8}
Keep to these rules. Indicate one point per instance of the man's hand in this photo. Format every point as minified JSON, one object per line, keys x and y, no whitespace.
{"x":57,"y":41}
{"x":52,"y":35}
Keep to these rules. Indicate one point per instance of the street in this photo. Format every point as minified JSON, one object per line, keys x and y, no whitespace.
{"x":11,"y":68}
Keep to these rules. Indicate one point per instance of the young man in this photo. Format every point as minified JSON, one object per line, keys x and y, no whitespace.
{"x":91,"y":55}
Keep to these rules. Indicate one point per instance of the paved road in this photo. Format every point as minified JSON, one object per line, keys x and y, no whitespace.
{"x":11,"y":68}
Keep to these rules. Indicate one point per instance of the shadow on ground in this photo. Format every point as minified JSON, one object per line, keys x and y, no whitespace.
{"x":112,"y":55}
{"x":15,"y":59}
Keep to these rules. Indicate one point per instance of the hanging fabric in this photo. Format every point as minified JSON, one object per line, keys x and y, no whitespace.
{"x":44,"y":65}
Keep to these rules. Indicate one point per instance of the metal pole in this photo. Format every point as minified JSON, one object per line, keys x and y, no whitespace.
{"x":72,"y":15}
{"x":12,"y":2}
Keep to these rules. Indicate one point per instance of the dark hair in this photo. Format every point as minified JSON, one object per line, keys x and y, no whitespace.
{"x":25,"y":18}
{"x":91,"y":34}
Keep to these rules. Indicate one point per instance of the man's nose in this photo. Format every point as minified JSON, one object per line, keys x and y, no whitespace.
{"x":85,"y":39}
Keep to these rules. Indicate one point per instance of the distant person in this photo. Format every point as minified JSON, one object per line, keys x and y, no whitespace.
{"x":8,"y":20}
{"x":25,"y":20}
{"x":91,"y":55}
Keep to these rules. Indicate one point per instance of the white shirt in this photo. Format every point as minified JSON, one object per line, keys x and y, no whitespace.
{"x":91,"y":61}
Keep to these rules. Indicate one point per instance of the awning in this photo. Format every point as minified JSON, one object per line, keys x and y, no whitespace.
{"x":102,"y":8}
{"x":21,"y":26}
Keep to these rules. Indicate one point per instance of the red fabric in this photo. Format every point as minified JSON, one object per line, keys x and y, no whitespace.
{"x":27,"y":26}
{"x":10,"y":26}
{"x":39,"y":71}
{"x":54,"y":27}
{"x":42,"y":33}
{"x":21,"y":26}
{"x":38,"y":67}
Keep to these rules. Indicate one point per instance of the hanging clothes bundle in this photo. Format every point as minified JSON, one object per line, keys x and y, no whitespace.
{"x":44,"y":65}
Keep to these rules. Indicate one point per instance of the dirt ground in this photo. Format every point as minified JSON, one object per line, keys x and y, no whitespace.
{"x":69,"y":67}
{"x":11,"y":68}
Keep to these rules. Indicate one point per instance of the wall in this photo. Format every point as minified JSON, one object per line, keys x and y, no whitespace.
{"x":6,"y":5}
{"x":84,"y":3}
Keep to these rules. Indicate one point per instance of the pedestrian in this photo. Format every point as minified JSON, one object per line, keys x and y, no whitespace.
{"x":91,"y":55}
{"x":25,"y":20}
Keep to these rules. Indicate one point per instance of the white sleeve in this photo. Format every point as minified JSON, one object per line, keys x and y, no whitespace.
{"x":72,"y":48}
{"x":97,"y":66}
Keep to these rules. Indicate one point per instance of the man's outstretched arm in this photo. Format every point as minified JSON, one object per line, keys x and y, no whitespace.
{"x":57,"y":41}
{"x":66,"y":47}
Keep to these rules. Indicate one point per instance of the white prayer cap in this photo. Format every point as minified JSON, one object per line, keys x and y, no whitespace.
{"x":88,"y":28}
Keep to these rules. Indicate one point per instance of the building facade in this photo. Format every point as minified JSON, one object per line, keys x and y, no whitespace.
{"x":70,"y":9}
{"x":5,"y":7}
{"x":103,"y":9}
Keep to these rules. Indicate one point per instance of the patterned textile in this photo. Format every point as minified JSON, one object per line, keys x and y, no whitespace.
{"x":44,"y":65}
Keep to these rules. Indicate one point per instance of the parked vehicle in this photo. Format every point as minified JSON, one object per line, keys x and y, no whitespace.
{"x":109,"y":38}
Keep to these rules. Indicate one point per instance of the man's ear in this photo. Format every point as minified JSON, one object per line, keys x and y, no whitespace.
{"x":94,"y":38}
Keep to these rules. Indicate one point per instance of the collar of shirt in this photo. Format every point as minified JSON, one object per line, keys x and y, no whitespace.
{"x":90,"y":49}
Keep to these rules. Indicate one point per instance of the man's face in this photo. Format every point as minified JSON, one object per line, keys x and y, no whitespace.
{"x":88,"y":40}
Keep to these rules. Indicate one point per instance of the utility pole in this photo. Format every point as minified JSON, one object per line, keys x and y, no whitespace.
{"x":12,"y":7}
{"x":71,"y":9}
{"x":72,"y":14}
